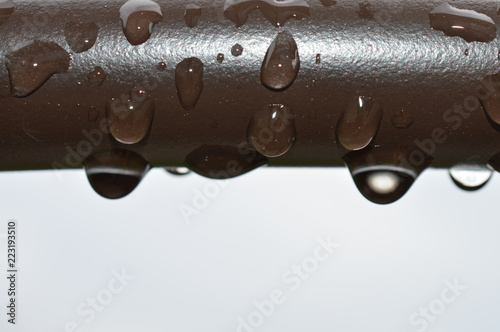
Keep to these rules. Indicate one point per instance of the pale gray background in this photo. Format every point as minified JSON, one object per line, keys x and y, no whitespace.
{"x":204,"y":275}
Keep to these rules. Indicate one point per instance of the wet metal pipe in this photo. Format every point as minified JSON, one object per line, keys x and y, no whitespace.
{"x":313,"y":83}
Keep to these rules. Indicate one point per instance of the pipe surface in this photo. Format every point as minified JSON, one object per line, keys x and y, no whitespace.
{"x":424,"y":82}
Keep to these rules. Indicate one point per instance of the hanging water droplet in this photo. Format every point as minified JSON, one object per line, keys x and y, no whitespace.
{"x":189,"y":82}
{"x":359,"y":124}
{"x":220,"y":58}
{"x":467,"y":24}
{"x":116,"y":173}
{"x":281,"y":64}
{"x":278,"y":12}
{"x":179,"y":171}
{"x":384,"y":175}
{"x":470,"y":177}
{"x":192,"y":15}
{"x":364,"y":11}
{"x":97,"y":77}
{"x":138,"y":18}
{"x":130,"y":117}
{"x":237,"y":50}
{"x":161,"y":66}
{"x":489,"y":95}
{"x":224,"y":162}
{"x":6,"y":10}
{"x":31,"y":66}
{"x":93,"y":114}
{"x":81,"y":36}
{"x":402,"y":119}
{"x":272,"y":130}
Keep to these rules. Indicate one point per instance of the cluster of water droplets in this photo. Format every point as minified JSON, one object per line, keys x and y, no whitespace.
{"x":382,"y":174}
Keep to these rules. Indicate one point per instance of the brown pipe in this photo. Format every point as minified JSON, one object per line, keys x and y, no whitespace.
{"x":315,"y":80}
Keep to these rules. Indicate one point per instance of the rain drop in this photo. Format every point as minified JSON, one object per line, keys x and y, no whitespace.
{"x":271,"y":131}
{"x":402,"y":119}
{"x":81,"y":36}
{"x":467,"y":24}
{"x":224,"y":162}
{"x":281,"y":64}
{"x":470,"y":177}
{"x":220,"y":58}
{"x":189,"y":82}
{"x":31,"y":66}
{"x":179,"y":171}
{"x":130,"y":117}
{"x":237,"y":50}
{"x":97,"y":77}
{"x":138,"y":18}
{"x":359,"y":124}
{"x":116,"y":173}
{"x":191,"y":15}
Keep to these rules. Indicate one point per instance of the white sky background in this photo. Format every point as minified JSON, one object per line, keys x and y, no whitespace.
{"x":202,"y":276}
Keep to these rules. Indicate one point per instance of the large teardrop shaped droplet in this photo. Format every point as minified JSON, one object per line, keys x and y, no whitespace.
{"x":489,"y":95}
{"x":272,"y":130}
{"x":470,"y":177}
{"x":384,"y":175}
{"x":281,"y":64}
{"x":468,"y":24}
{"x":116,"y":173}
{"x":191,"y":15}
{"x":81,"y":36}
{"x":31,"y":66}
{"x":224,"y":162}
{"x":359,"y":124}
{"x":6,"y":10}
{"x":189,"y":82}
{"x":130,"y":117}
{"x":278,"y":12}
{"x":138,"y":18}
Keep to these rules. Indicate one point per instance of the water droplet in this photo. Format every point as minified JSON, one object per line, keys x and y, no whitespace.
{"x":31,"y":66}
{"x":364,"y":11}
{"x":116,"y":173}
{"x":138,"y":18}
{"x":224,"y":162}
{"x":161,"y":66}
{"x":318,"y":59}
{"x":359,"y":124}
{"x":97,"y":77}
{"x":384,"y":175}
{"x":189,"y":82}
{"x":220,"y":58}
{"x":81,"y":36}
{"x":281,"y":64}
{"x":467,"y":24}
{"x":93,"y":114}
{"x":278,"y":12}
{"x":6,"y":10}
{"x":192,"y":15}
{"x":466,"y":52}
{"x":237,"y":50}
{"x":489,"y":95}
{"x":470,"y":177}
{"x":180,"y":171}
{"x":402,"y":119}
{"x":328,"y":3}
{"x":272,"y":130}
{"x":130,"y":117}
